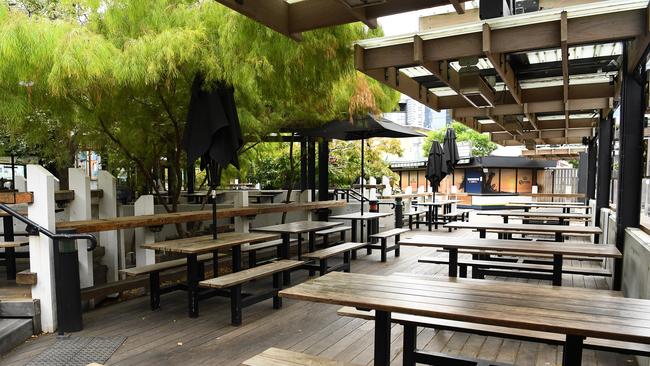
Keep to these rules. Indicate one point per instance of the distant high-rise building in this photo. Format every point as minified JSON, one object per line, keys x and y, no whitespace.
{"x":410,"y":112}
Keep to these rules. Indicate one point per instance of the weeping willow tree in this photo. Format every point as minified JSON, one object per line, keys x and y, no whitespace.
{"x":115,"y":76}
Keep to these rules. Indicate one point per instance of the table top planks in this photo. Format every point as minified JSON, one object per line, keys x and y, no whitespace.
{"x":297,"y":227}
{"x":205,"y":244}
{"x":548,"y":204}
{"x":436,"y":203}
{"x":550,"y":309}
{"x":572,"y":229}
{"x":556,"y":215}
{"x":14,"y":244}
{"x":358,"y":216}
{"x":542,"y":247}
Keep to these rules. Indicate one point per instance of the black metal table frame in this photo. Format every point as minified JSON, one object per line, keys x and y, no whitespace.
{"x":372,"y":228}
{"x":432,"y":215}
{"x":572,"y":355}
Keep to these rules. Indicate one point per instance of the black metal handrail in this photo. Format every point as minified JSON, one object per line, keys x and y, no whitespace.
{"x":35,"y":229}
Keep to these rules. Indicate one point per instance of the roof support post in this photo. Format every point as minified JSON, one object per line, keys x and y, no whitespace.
{"x":604,"y":164}
{"x":323,"y":176}
{"x":592,"y":154}
{"x":501,"y":65}
{"x":633,"y":106}
{"x":564,"y":38}
{"x":303,"y":165}
{"x":311,"y":167}
{"x":639,"y":47}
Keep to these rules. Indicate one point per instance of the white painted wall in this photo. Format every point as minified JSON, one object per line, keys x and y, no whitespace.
{"x":80,"y":209}
{"x":144,"y":206}
{"x":107,"y":209}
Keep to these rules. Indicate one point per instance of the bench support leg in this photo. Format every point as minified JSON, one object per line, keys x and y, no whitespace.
{"x":252,"y":258}
{"x":354,"y":237}
{"x":382,"y":338}
{"x":462,"y":271}
{"x":236,"y":258}
{"x":154,"y":290}
{"x":346,"y":260}
{"x":192,"y":285}
{"x":285,"y":254}
{"x":299,"y":247}
{"x":453,"y":262}
{"x":277,"y":284}
{"x":235,"y":305}
{"x":397,"y":251}
{"x":383,"y":249}
{"x":215,"y":263}
{"x":312,"y":247}
{"x":410,"y":342}
{"x":10,"y":262}
{"x":572,"y":354}
{"x":369,"y":239}
{"x":326,"y":240}
{"x":323,"y":266}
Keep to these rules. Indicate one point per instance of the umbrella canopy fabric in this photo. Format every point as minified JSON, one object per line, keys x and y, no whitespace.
{"x":361,"y":128}
{"x":212,"y":132}
{"x":450,"y":152}
{"x":435,"y":165}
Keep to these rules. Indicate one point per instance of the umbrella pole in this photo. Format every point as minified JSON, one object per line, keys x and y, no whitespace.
{"x":362,"y":174}
{"x":214,"y":213}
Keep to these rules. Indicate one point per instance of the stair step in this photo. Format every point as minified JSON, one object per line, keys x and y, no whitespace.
{"x":14,"y":332}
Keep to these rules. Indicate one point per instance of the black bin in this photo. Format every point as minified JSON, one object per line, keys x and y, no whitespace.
{"x":68,"y":288}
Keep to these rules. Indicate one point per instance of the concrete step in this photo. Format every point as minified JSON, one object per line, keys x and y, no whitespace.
{"x":14,"y":332}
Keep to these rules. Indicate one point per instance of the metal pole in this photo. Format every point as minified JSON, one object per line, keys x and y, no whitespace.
{"x":633,"y":105}
{"x":592,"y":154}
{"x":311,"y":167}
{"x":323,"y":176}
{"x":13,"y":172}
{"x":362,"y":173}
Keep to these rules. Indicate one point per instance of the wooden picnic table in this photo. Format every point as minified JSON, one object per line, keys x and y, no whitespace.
{"x":432,"y":211}
{"x":561,"y":217}
{"x":356,"y":217}
{"x":558,"y":310}
{"x":192,"y":247}
{"x":565,"y":206}
{"x":298,"y":228}
{"x":513,"y":246}
{"x":558,"y":230}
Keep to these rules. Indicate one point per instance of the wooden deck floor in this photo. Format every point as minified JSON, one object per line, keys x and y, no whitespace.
{"x":169,"y":337}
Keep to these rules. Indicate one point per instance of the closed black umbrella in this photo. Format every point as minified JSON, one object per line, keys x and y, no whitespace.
{"x":361,"y":129}
{"x":435,"y":164}
{"x":212,"y":133}
{"x":450,"y":152}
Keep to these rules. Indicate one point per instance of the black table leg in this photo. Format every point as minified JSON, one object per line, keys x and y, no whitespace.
{"x":192,"y":285}
{"x":299,"y":246}
{"x":285,"y":253}
{"x":410,"y":344}
{"x":435,"y":217}
{"x":312,"y":247}
{"x":572,"y":355}
{"x":430,"y":217}
{"x":559,"y":237}
{"x":354,"y":237}
{"x":382,"y":338}
{"x":557,"y":269}
{"x":215,"y":263}
{"x":236,"y":258}
{"x":368,"y":238}
{"x":481,"y":233}
{"x":453,"y":262}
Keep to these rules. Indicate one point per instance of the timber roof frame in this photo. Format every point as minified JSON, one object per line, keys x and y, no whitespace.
{"x":518,"y":115}
{"x":292,"y":17}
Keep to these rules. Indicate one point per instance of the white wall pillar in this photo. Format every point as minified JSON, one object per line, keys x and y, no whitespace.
{"x":242,"y":224}
{"x":80,"y":209}
{"x":114,"y":249}
{"x":144,"y":206}
{"x":41,"y":254}
{"x":372,"y":192}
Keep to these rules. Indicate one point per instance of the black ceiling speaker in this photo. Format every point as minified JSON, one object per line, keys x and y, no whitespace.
{"x":490,"y":9}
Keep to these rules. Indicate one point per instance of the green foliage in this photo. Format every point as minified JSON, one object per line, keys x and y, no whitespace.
{"x":345,"y":160}
{"x":115,"y":76}
{"x":481,"y":143}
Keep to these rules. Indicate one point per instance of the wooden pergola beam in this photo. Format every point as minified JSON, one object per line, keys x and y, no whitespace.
{"x":405,"y":85}
{"x":360,"y":15}
{"x":459,"y":6}
{"x":555,"y":106}
{"x":501,"y":65}
{"x":593,"y":29}
{"x":271,"y":13}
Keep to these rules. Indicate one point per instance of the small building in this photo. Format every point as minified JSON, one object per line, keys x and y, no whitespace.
{"x":483,"y":182}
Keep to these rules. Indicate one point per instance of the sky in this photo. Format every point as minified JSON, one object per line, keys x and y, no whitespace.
{"x":409,"y":22}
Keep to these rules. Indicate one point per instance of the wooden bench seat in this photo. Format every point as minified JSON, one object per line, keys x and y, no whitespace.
{"x":383,"y":241}
{"x":323,"y":255}
{"x":14,"y":244}
{"x":154,"y":270}
{"x":513,"y":269}
{"x":541,"y":256}
{"x":502,"y":332}
{"x":252,"y":249}
{"x":335,"y":230}
{"x":234,"y":282}
{"x":457,"y":215}
{"x":280,"y":357}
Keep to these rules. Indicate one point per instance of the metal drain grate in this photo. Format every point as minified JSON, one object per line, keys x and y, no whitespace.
{"x":78,"y":351}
